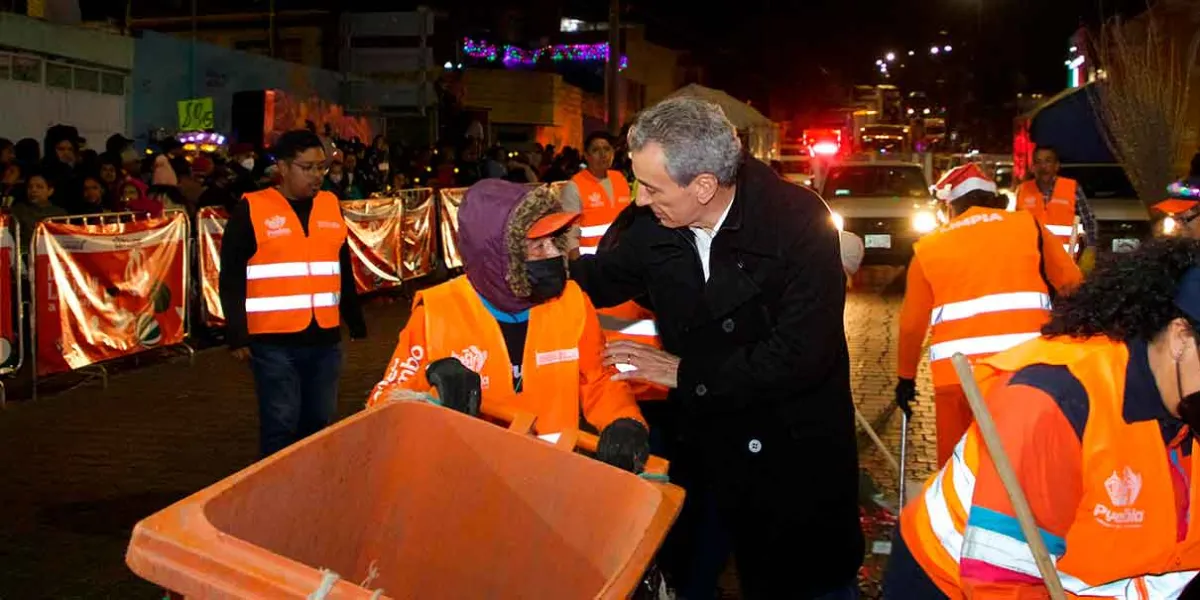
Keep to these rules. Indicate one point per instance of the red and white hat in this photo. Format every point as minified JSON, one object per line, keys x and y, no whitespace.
{"x":961,"y":180}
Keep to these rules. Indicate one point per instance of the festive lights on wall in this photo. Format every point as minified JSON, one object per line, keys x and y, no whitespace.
{"x":512,"y":56}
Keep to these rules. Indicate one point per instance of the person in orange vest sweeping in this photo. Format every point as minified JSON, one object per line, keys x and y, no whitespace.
{"x":286,"y":285}
{"x":1060,"y":204}
{"x":515,"y":329}
{"x":1096,"y":418}
{"x":982,"y":283}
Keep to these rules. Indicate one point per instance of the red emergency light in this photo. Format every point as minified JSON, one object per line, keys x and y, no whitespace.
{"x":823,"y":142}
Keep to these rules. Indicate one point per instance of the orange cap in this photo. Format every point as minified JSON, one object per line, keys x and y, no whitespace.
{"x":551,"y":224}
{"x":1174,"y":206}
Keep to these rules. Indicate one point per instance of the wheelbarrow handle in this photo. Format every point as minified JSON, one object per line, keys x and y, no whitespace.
{"x":570,"y":440}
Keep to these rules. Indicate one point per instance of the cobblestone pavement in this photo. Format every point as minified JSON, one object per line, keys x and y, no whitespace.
{"x":80,"y":467}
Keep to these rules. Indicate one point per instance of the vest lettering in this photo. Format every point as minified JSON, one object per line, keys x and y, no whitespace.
{"x":1123,"y":517}
{"x":411,"y":365}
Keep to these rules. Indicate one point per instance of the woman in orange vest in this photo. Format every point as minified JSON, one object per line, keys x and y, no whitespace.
{"x":983,"y":284}
{"x":1096,"y":416}
{"x":529,"y":335}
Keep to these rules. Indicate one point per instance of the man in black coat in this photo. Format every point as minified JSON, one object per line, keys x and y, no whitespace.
{"x":743,"y":272}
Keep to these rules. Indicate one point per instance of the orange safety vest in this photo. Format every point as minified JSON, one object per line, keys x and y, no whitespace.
{"x":293,"y":278}
{"x":629,"y":320}
{"x":1057,"y":213}
{"x":458,"y":324}
{"x":599,"y":210}
{"x":982,"y":307}
{"x":1122,"y":543}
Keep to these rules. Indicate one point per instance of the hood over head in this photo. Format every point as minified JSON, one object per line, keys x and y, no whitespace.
{"x":493,"y":221}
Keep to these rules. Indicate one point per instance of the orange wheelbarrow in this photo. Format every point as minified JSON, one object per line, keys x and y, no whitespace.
{"x":411,"y":500}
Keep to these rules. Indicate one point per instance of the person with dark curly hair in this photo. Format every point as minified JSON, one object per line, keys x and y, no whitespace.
{"x":1096,"y":417}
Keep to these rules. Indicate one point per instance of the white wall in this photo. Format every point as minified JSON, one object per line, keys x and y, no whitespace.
{"x":29,"y":109}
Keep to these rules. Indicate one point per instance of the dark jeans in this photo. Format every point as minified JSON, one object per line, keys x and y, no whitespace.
{"x":904,"y":578}
{"x":297,"y":388}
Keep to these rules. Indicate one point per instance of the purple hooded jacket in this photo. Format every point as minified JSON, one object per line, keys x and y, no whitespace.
{"x":483,"y":221}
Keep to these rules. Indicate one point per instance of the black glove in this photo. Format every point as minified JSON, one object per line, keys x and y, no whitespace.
{"x":906,"y":394}
{"x":457,"y":386}
{"x":624,"y":444}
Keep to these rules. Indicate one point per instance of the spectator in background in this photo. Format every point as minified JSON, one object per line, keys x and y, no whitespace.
{"x":7,"y":154}
{"x":120,"y":146}
{"x":493,"y":163}
{"x":469,"y":167}
{"x":355,"y":179}
{"x":60,"y":165}
{"x":28,"y":152}
{"x":135,"y":198}
{"x":337,"y":181}
{"x":112,"y":174}
{"x":39,"y":191}
{"x":91,"y":200}
{"x":519,"y":171}
{"x":12,"y":185}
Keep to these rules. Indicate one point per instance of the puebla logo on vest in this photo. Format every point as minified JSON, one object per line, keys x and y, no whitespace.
{"x":1123,"y":489}
{"x":595,"y":200}
{"x":474,"y":359}
{"x":275,"y":226}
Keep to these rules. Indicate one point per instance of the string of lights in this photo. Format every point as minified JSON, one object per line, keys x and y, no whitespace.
{"x":512,"y":56}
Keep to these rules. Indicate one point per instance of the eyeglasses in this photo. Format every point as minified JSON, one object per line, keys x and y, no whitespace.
{"x":311,"y":168}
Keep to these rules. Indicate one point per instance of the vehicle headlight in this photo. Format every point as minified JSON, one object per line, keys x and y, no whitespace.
{"x":924,"y":222}
{"x":1169,"y":225}
{"x":838,"y":221}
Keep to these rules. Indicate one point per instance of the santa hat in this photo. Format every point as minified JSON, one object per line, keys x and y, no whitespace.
{"x":961,"y":180}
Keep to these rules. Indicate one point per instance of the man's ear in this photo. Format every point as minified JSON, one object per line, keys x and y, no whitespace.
{"x":705,"y":187}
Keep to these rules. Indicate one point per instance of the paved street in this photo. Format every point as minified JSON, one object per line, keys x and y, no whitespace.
{"x":82,"y":466}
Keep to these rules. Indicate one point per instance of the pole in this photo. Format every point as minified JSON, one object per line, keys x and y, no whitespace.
{"x":192,"y":54}
{"x":271,"y":29}
{"x":1016,"y":495}
{"x":614,"y":67}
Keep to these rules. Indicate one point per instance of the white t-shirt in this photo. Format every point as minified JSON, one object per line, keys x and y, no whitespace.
{"x":704,"y":239}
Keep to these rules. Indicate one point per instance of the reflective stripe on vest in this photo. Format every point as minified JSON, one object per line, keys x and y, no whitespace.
{"x":643,"y":327}
{"x":988,"y":304}
{"x":296,"y":302}
{"x":293,"y":269}
{"x":1056,"y":212}
{"x":988,"y":344}
{"x":1061,"y":230}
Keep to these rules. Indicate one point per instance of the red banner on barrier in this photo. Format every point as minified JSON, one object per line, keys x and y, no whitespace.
{"x":451,"y":199}
{"x":8,"y":300}
{"x":108,"y":290}
{"x":210,"y":225}
{"x":373,"y":228}
{"x":416,"y":258}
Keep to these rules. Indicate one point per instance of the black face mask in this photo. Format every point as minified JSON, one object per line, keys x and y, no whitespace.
{"x":1189,"y":405}
{"x":547,"y":277}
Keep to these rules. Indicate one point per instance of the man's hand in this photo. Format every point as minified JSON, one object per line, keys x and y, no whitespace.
{"x":906,"y":394}
{"x":242,"y":354}
{"x":642,"y":362}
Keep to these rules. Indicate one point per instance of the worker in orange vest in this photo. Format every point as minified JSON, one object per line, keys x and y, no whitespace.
{"x":527,"y":335}
{"x":600,"y":194}
{"x":1057,"y":202}
{"x":1096,"y":417}
{"x":974,"y":307}
{"x":286,"y":284}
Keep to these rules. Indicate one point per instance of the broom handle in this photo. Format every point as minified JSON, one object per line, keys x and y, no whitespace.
{"x":991,"y":438}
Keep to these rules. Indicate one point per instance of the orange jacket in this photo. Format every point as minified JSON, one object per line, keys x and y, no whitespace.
{"x":1104,"y":498}
{"x":293,"y":278}
{"x":1057,"y":213}
{"x":599,"y":210}
{"x":629,"y":320}
{"x":976,"y":305}
{"x":562,"y":370}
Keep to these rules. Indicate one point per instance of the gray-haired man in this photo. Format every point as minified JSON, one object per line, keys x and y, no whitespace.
{"x":744,"y":274}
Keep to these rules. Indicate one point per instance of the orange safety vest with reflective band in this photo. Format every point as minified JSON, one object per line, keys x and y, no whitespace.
{"x":599,"y":210}
{"x":1122,"y":543}
{"x":629,"y":320}
{"x":982,"y":307}
{"x":458,"y":324}
{"x":1057,"y":213}
{"x":293,"y":278}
